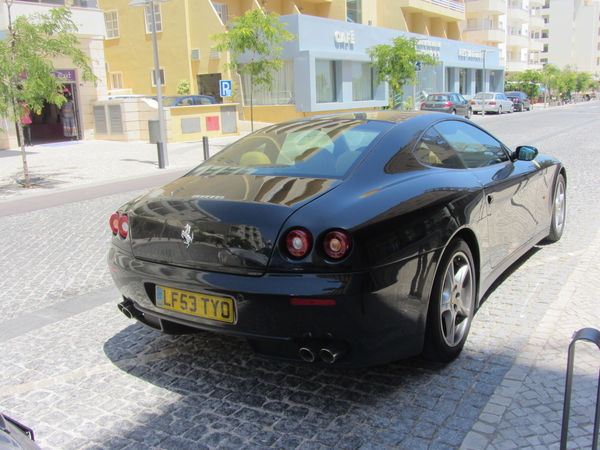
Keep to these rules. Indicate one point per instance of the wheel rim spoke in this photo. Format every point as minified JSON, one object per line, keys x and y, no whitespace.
{"x":456,"y":299}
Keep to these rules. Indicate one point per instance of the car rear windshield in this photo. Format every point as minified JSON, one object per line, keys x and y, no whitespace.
{"x":438,"y":98}
{"x":317,"y":149}
{"x":487,"y":96}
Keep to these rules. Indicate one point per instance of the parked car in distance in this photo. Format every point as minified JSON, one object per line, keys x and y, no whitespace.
{"x":495,"y":102}
{"x":350,"y":239}
{"x":520,"y":100}
{"x":188,"y":100}
{"x":447,"y":102}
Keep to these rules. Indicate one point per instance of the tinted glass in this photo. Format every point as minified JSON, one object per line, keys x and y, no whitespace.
{"x":437,"y":98}
{"x":316,"y":149}
{"x":475,"y":147}
{"x":434,"y":150}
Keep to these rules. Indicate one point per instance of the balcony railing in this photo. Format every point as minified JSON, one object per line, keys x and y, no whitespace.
{"x":76,"y":3}
{"x":450,"y":4}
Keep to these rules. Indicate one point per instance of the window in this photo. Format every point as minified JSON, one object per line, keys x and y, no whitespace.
{"x":282,"y":92}
{"x":162,"y":77}
{"x":546,"y":19}
{"x":325,"y":74}
{"x":545,"y":34}
{"x":354,"y":11}
{"x":544,"y":60}
{"x":157,"y":18}
{"x":433,"y":150}
{"x":221,"y":10}
{"x":111,"y":21}
{"x":545,"y":48}
{"x":362,"y":82}
{"x":475,"y":147}
{"x":116,"y":80}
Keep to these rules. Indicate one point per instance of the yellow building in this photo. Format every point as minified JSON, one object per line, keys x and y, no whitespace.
{"x":332,"y":38}
{"x":184,"y":27}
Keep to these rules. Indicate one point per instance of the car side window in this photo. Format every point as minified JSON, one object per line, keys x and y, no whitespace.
{"x":204,"y":101}
{"x":433,"y":150}
{"x":475,"y":147}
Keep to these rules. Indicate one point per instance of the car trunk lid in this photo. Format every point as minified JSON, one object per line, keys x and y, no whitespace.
{"x":222,"y":223}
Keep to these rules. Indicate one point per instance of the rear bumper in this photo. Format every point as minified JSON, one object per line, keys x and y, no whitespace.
{"x":378,"y":316}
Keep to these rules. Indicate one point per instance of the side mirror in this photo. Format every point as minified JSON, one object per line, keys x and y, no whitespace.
{"x":525,"y":153}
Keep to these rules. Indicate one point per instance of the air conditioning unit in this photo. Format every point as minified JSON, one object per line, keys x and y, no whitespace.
{"x":195,"y":54}
{"x":214,"y":54}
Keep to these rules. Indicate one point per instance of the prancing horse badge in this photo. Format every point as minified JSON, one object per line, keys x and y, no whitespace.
{"x":186,"y":236}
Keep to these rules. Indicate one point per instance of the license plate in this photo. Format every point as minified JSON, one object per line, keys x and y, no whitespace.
{"x":199,"y":305}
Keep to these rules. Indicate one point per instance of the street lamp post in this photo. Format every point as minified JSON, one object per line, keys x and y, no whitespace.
{"x":483,"y":52}
{"x":161,"y":145}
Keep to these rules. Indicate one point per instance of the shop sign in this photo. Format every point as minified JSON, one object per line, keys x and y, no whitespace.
{"x":66,"y":75}
{"x":469,"y":55}
{"x":343,"y":39}
{"x":429,"y":47}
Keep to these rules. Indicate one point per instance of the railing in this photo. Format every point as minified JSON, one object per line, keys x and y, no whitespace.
{"x":486,"y":28}
{"x":450,"y":4}
{"x":76,"y":3}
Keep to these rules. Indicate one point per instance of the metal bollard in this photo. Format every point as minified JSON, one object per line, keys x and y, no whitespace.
{"x":161,"y":154}
{"x":205,"y":147}
{"x":591,"y":335}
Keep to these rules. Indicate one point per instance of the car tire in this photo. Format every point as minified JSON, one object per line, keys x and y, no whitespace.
{"x":559,"y":210}
{"x":469,"y":113}
{"x":451,"y":304}
{"x":499,"y":110}
{"x":453,"y":112}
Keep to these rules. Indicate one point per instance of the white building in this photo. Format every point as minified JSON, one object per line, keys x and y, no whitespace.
{"x":46,"y":127}
{"x":571,"y":34}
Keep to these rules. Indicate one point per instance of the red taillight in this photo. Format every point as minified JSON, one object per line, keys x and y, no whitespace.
{"x":337,"y":244}
{"x":298,"y":242}
{"x":114,"y":222}
{"x":492,"y":103}
{"x":422,"y":105}
{"x":472,"y":102}
{"x":119,"y":224}
{"x":448,"y":105}
{"x":124,"y":226}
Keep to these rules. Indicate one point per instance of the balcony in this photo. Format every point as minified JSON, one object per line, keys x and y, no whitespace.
{"x":516,"y":65}
{"x":517,"y":40}
{"x":491,"y":6}
{"x":536,"y":22}
{"x":449,"y":9}
{"x":485,"y":35}
{"x":536,"y":46}
{"x":318,"y":1}
{"x":89,"y":19}
{"x":518,"y":14}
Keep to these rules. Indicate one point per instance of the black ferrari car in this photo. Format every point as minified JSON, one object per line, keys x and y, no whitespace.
{"x":351,"y":239}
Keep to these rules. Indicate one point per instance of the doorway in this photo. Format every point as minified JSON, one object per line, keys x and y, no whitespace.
{"x":47,"y":126}
{"x":208,"y":84}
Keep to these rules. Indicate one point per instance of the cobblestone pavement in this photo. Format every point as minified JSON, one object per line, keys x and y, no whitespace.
{"x":84,"y":377}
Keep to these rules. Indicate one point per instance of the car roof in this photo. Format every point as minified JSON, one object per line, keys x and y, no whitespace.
{"x":389,"y":115}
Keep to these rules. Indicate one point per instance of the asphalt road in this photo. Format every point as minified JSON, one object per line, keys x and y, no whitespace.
{"x":84,"y":377}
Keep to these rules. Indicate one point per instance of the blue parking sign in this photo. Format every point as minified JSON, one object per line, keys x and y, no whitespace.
{"x":225,"y":88}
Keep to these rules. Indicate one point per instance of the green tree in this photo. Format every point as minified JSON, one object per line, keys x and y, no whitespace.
{"x":396,"y":63}
{"x":26,"y":65}
{"x":260,"y":34}
{"x":528,"y":81}
{"x":183,"y":87}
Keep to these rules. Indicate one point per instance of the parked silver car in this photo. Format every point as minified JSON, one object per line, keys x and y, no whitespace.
{"x":447,"y":102}
{"x":495,"y":102}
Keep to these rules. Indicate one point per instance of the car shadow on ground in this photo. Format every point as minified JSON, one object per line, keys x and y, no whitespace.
{"x":226,"y":397}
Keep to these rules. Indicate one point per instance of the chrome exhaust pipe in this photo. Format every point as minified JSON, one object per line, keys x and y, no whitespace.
{"x":310,"y":351}
{"x":333,"y":351}
{"x":129,"y":309}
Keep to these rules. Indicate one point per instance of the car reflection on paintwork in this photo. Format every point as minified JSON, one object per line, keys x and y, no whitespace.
{"x":15,"y":436}
{"x":350,"y":239}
